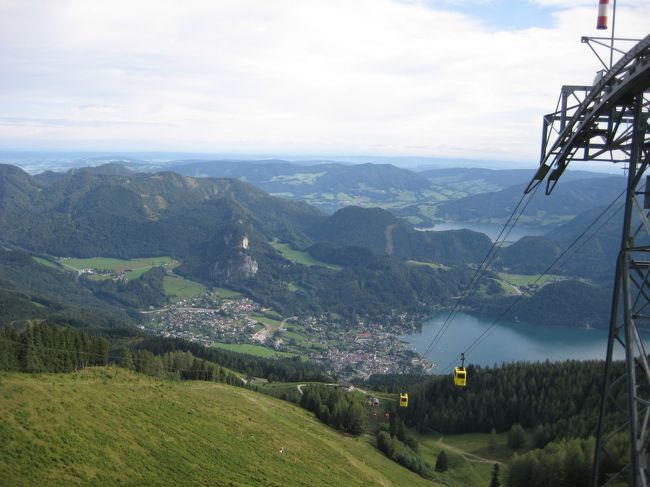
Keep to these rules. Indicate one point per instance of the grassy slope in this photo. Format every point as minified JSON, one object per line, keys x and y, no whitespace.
{"x":300,"y":257}
{"x":109,"y":426}
{"x":179,"y":288}
{"x":133,"y":268}
{"x":250,"y":349}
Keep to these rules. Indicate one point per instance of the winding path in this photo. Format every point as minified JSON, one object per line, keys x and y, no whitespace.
{"x":470,"y":457}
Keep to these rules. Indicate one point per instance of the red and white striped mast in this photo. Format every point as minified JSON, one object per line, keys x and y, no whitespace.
{"x":601,"y":23}
{"x":603,"y":12}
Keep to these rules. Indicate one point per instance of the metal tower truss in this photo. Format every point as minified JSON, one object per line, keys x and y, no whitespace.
{"x":610,"y":121}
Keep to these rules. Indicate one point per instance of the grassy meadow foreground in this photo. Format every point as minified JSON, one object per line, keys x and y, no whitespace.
{"x":107,"y":426}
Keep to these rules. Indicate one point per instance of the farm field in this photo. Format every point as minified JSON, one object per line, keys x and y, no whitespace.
{"x":178,"y":288}
{"x":132,"y":268}
{"x":226,"y":293}
{"x":300,"y":257}
{"x":528,"y":279}
{"x":433,"y":265}
{"x":257,"y":350}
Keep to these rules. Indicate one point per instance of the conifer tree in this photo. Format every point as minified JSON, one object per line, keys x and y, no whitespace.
{"x":495,"y":476}
{"x":356,"y":421}
{"x":516,"y":437}
{"x":442,"y":463}
{"x":126,"y":360}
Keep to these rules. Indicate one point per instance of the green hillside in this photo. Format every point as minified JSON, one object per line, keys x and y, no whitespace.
{"x":108,"y":426}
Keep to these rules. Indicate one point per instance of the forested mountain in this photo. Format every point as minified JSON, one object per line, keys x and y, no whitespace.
{"x":276,"y":176}
{"x":593,"y":255}
{"x":29,"y":289}
{"x":481,"y":180}
{"x":221,"y":232}
{"x":88,"y":213}
{"x":565,"y":303}
{"x":568,"y":200}
{"x":328,"y":186}
{"x":383,"y":233}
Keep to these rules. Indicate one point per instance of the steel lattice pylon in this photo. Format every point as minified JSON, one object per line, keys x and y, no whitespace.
{"x":609,"y":121}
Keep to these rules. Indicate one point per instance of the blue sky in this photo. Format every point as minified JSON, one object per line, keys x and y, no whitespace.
{"x":453,"y":78}
{"x":503,"y":14}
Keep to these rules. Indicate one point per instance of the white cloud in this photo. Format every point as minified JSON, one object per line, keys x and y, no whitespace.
{"x":362,"y":76}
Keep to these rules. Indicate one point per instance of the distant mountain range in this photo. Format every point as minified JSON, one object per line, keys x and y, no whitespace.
{"x":225,"y":232}
{"x":222,"y":230}
{"x":423,"y":196}
{"x":460,"y":194}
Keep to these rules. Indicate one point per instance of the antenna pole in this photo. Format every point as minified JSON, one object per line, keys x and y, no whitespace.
{"x":611,"y":50}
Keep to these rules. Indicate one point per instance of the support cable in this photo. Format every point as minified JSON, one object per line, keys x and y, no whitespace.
{"x":481,"y":269}
{"x":490,"y":329}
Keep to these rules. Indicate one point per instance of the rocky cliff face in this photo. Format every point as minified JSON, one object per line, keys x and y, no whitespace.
{"x":235,"y":266}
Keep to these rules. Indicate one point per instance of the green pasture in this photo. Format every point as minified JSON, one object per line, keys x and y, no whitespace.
{"x":300,"y":257}
{"x":249,"y":349}
{"x":48,"y":263}
{"x":528,"y":279}
{"x":133,"y":268}
{"x":179,"y":288}
{"x":465,"y":469}
{"x":224,"y":293}
{"x":433,"y":265}
{"x":265,"y":320}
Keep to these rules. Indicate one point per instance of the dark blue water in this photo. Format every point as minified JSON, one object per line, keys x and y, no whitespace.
{"x":492,"y":230}
{"x":509,"y":342}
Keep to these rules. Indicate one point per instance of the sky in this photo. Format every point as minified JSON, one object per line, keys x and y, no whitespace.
{"x":446,"y":78}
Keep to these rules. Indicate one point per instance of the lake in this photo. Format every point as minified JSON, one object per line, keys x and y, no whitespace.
{"x":509,"y":342}
{"x":492,"y":230}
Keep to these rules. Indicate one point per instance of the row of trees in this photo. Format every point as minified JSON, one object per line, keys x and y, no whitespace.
{"x":402,"y":454}
{"x":565,"y":463}
{"x":400,"y":445}
{"x":177,"y":365}
{"x":290,"y":369}
{"x":44,"y":348}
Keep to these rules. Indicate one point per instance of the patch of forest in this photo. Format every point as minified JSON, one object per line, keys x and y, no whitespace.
{"x":560,"y":398}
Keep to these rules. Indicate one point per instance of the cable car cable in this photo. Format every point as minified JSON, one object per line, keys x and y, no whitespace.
{"x":472,"y":281}
{"x":487,"y":332}
{"x":480,"y":270}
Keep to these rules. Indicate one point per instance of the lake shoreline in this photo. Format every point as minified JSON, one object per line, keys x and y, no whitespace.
{"x":505,"y":342}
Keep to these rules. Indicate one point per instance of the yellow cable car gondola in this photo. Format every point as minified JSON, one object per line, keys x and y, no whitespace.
{"x":404,"y":400}
{"x":460,"y":374}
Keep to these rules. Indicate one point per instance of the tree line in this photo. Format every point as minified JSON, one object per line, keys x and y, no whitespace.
{"x":347,"y":411}
{"x":558,"y":400}
{"x":44,"y":348}
{"x":342,"y":411}
{"x":285,"y":369}
{"x":567,"y":462}
{"x":177,"y":365}
{"x":398,"y":444}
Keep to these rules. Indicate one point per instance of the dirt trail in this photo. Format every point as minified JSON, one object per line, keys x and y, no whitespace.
{"x":389,"y":239}
{"x":470,"y":457}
